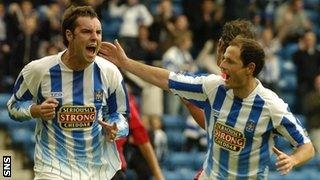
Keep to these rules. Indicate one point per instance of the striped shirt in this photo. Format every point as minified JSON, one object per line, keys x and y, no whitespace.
{"x":73,"y":144}
{"x":239,"y":131}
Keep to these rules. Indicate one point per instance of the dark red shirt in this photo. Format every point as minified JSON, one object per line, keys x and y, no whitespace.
{"x":136,"y":130}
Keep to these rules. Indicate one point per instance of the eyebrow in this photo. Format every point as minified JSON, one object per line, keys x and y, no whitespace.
{"x":89,"y":29}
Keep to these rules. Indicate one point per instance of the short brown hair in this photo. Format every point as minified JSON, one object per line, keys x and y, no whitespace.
{"x":250,"y":51}
{"x":235,"y":28}
{"x":71,"y":15}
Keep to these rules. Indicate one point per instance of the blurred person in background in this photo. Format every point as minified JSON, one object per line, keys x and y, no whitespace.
{"x":241,"y":114}
{"x":178,"y":59}
{"x":133,"y":14}
{"x":179,"y":25}
{"x":235,"y":9}
{"x":23,"y":35}
{"x":79,"y":101}
{"x":151,"y":111}
{"x":207,"y":59}
{"x":270,"y":74}
{"x":161,"y":26}
{"x":146,"y":48}
{"x":208,"y":25}
{"x":4,"y":51}
{"x":311,"y":106}
{"x":151,"y":96}
{"x":195,"y":136}
{"x":291,"y":20}
{"x":140,"y":155}
{"x":307,"y":61}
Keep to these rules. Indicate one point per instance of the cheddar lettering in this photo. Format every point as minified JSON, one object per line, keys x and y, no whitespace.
{"x":228,"y":138}
{"x":76,"y":117}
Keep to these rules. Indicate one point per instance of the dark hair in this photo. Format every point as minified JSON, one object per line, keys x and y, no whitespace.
{"x":250,"y":51}
{"x":71,"y":15}
{"x":235,"y":28}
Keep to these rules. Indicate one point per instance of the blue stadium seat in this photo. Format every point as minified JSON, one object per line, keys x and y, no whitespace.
{"x":312,"y":173}
{"x":7,"y":123}
{"x":171,"y":175}
{"x":287,"y":67}
{"x":20,"y":136}
{"x":287,"y":51}
{"x":198,"y":160}
{"x":179,"y":174}
{"x":4,"y":97}
{"x":177,"y":160}
{"x":176,"y":6}
{"x":274,"y":175}
{"x":313,"y":15}
{"x":171,"y":122}
{"x":295,"y":175}
{"x":288,"y":83}
{"x":29,"y":125}
{"x":4,"y":118}
{"x":187,"y":173}
{"x":184,"y":160}
{"x":313,"y":163}
{"x":176,"y":140}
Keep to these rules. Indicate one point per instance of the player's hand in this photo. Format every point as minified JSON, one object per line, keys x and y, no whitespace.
{"x":46,"y":110}
{"x":284,"y":163}
{"x":113,"y":52}
{"x":111,"y":130}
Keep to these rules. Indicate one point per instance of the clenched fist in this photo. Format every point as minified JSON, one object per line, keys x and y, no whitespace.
{"x":45,"y":110}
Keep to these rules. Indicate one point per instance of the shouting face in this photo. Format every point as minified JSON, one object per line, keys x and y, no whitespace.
{"x":235,"y":73}
{"x":85,"y":41}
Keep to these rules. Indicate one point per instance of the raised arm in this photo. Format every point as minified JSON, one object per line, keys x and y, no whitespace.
{"x":153,"y":75}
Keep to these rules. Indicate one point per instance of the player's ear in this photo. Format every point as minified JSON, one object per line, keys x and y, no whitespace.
{"x":250,"y":68}
{"x":69,"y":35}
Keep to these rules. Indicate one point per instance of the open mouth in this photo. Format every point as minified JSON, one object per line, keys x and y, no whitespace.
{"x":225,"y":76}
{"x":91,"y":49}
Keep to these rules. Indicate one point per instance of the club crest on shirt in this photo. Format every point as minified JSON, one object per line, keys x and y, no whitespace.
{"x":76,"y":117}
{"x":98,"y":95}
{"x":250,"y":126}
{"x":228,"y":137}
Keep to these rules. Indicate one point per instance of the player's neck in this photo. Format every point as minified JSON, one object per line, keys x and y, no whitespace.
{"x":246,"y":90}
{"x":70,"y":60}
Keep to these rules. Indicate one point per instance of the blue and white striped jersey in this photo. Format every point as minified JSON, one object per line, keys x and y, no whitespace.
{"x":73,"y":144}
{"x":239,"y":131}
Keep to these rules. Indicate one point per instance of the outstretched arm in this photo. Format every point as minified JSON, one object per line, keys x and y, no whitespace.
{"x":153,"y":75}
{"x":285,"y":162}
